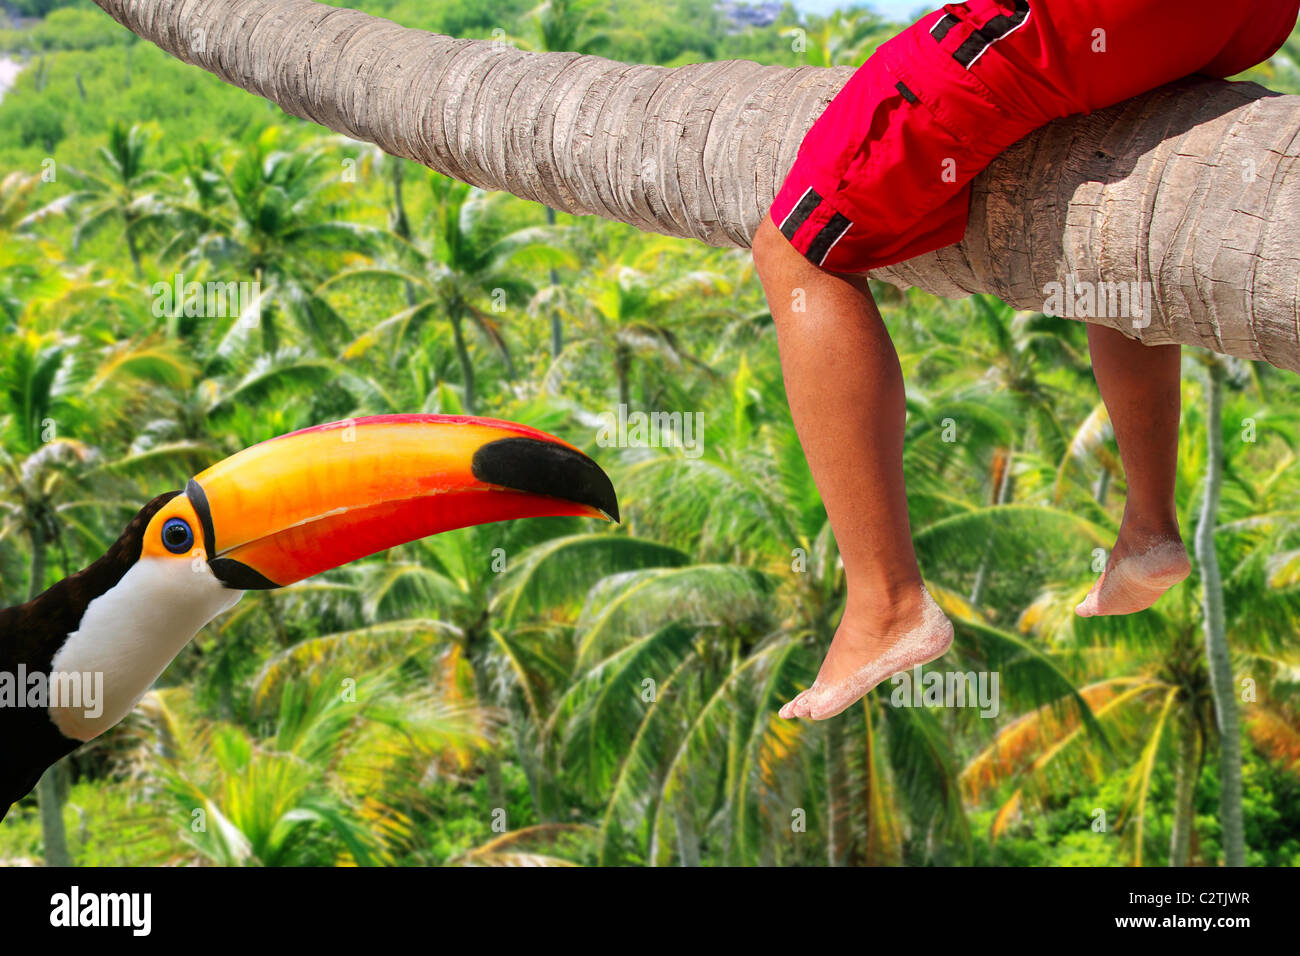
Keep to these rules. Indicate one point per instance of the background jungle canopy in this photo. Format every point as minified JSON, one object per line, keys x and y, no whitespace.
{"x":543,"y":693}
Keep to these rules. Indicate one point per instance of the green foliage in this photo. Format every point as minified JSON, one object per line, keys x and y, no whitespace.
{"x":611,"y":689}
{"x":35,"y":126}
{"x":69,"y":28}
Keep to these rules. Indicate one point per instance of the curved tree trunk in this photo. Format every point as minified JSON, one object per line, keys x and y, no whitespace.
{"x":1193,"y":188}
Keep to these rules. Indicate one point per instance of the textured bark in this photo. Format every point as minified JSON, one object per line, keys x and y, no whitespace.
{"x":457,"y":315}
{"x":1194,"y":187}
{"x":475,"y":653}
{"x":557,"y":325}
{"x":1180,"y":837}
{"x":839,"y":798}
{"x":1222,"y":684}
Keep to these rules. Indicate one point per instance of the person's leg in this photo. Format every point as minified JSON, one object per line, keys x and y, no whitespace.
{"x":1140,"y":386}
{"x":845,"y":390}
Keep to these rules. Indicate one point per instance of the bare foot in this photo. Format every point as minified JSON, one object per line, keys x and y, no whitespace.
{"x":1141,"y":568}
{"x":868,"y":649}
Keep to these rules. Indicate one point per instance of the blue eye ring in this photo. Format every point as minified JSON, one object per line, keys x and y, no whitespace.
{"x":177,"y":536}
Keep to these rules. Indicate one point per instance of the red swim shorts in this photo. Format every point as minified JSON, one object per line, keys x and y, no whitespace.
{"x":884,"y":174}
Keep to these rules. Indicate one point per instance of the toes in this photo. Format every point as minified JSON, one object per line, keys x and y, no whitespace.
{"x":810,"y":702}
{"x":821,"y":713}
{"x":799,"y":706}
{"x":1090,"y":605}
{"x":828,"y":705}
{"x":791,"y":710}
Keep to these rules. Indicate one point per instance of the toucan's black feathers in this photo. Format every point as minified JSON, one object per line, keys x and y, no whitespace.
{"x":32,"y":633}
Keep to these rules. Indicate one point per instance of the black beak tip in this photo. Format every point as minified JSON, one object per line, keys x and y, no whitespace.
{"x":545,"y":468}
{"x":240,"y":577}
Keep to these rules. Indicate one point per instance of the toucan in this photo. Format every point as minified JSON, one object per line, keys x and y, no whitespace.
{"x":270,"y":515}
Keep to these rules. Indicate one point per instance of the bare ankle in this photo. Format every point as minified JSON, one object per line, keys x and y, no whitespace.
{"x":883,"y":606}
{"x":1149,"y":525}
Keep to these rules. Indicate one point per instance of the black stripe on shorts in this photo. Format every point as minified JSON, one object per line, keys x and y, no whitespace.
{"x":829,"y":235}
{"x":942,"y":26}
{"x":800,"y":213}
{"x":990,"y":33}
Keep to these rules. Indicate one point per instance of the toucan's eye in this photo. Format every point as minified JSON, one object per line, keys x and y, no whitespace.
{"x":177,"y":536}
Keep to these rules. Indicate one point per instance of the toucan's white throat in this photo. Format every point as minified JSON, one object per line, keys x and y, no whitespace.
{"x":130,"y":634}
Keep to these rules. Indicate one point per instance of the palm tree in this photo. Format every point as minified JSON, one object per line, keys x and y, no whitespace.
{"x":842,"y":38}
{"x":131,"y":194}
{"x":639,"y":295}
{"x":735,"y":127}
{"x":558,"y":26}
{"x":336,"y":780}
{"x":1029,"y":364}
{"x":279,"y":228}
{"x":474,"y":267}
{"x":723,"y":624}
{"x":1216,"y":642}
{"x":1147,"y":678}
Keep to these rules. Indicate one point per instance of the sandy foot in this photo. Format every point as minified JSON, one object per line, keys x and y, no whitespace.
{"x":928,"y":638}
{"x":1135,"y":582}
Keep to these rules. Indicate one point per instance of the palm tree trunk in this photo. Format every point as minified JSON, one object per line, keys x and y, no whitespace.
{"x":539,"y":788}
{"x":700,"y":150}
{"x":1003,"y":495}
{"x":839,"y":828}
{"x":557,"y":327}
{"x":622,"y":373}
{"x":398,"y":222}
{"x":277,"y":619}
{"x":474,"y":654}
{"x":50,"y":790}
{"x":1102,"y":486}
{"x":462,"y":354}
{"x":131,"y":247}
{"x":881,"y":847}
{"x":1180,"y":841}
{"x":267,"y":319}
{"x":1216,"y":640}
{"x":36,"y":563}
{"x":688,"y":841}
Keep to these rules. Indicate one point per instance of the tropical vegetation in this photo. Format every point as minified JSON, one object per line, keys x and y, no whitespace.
{"x":546,"y":693}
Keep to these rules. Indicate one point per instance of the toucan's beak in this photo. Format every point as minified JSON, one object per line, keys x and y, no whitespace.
{"x":296,"y":505}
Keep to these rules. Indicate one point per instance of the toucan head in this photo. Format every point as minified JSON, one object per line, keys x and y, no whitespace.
{"x":296,"y":505}
{"x":288,"y":508}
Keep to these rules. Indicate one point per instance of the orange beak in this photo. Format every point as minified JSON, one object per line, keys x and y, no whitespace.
{"x":314,"y":499}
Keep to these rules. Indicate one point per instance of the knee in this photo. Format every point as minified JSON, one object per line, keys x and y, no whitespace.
{"x":769,"y":247}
